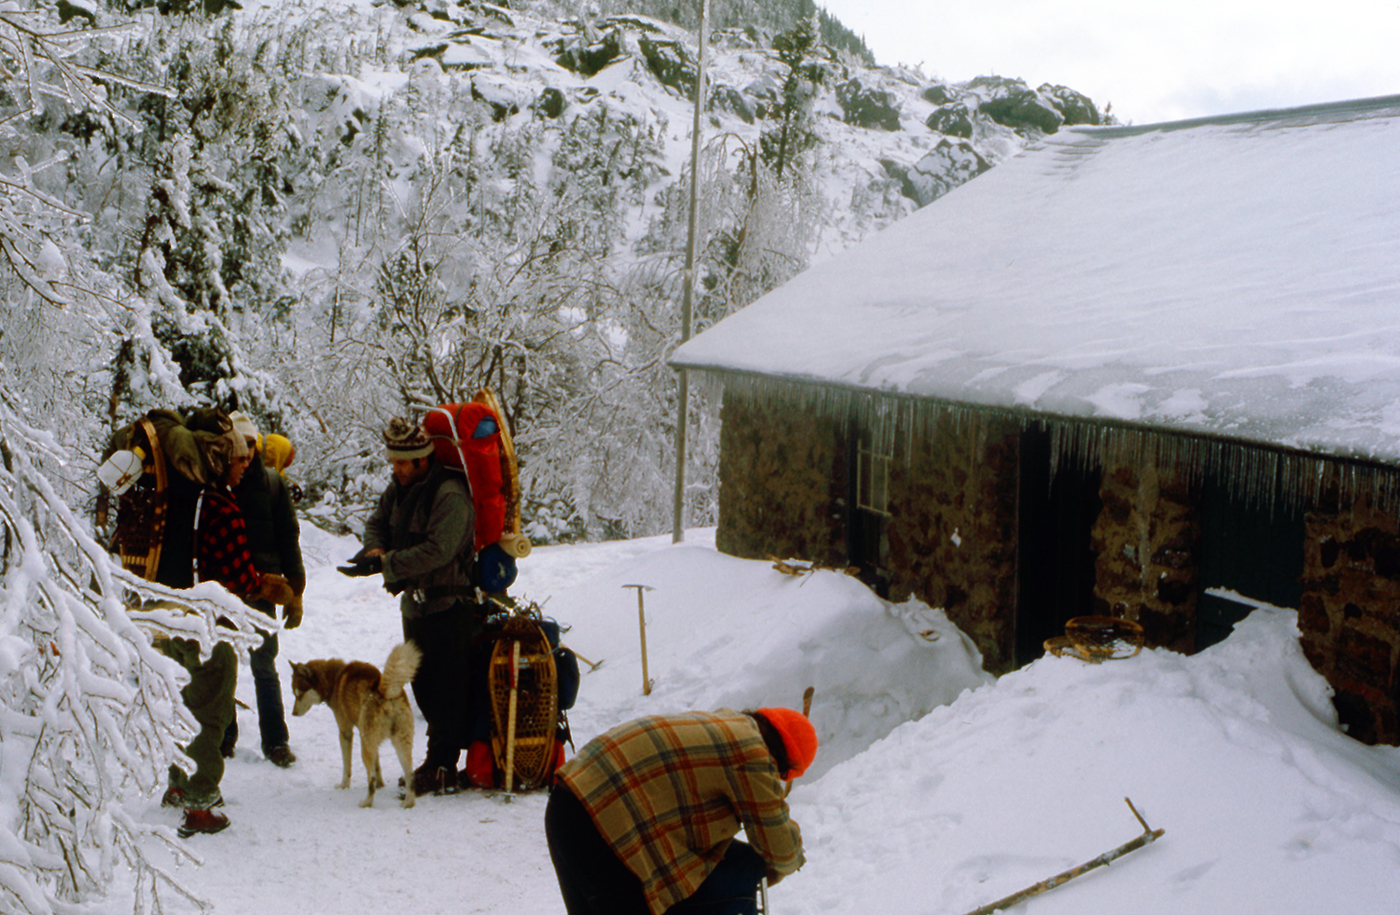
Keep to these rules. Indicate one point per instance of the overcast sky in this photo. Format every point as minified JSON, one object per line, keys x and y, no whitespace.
{"x":1153,"y":61}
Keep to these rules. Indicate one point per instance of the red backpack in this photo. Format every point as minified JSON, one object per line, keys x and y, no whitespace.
{"x":468,"y":435}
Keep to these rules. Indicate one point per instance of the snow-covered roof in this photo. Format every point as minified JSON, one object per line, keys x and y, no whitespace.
{"x":1234,"y":277}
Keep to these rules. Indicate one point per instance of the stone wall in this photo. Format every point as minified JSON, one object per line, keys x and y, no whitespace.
{"x":952,"y":531}
{"x":1145,"y":541}
{"x":782,"y":475}
{"x":951,"y":534}
{"x":1350,"y":614}
{"x":951,"y":541}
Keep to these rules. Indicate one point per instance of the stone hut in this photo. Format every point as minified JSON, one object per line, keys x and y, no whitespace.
{"x":1152,"y":372}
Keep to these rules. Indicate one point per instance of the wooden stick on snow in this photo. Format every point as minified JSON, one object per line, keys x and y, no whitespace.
{"x":1149,"y":835}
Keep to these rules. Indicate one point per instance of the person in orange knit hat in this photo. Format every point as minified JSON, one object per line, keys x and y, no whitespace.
{"x":642,"y":821}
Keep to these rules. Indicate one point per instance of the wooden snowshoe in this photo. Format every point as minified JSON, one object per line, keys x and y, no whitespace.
{"x":1097,"y":638}
{"x":524,"y":690}
{"x":142,"y":508}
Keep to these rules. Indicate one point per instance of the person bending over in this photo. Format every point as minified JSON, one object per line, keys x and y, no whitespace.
{"x":642,"y":821}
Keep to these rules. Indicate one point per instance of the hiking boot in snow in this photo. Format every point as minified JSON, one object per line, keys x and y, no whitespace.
{"x":281,"y":756}
{"x":428,"y":779}
{"x":438,"y":780}
{"x":446,"y":778}
{"x":201,"y":820}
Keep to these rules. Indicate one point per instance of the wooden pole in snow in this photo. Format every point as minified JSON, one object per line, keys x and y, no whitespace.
{"x":642,"y":627}
{"x":683,"y":394}
{"x":510,"y":721}
{"x":1149,"y":835}
{"x":807,"y":695}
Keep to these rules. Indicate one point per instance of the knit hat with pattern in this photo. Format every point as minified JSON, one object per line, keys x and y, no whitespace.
{"x":406,"y":440}
{"x":243,"y":425}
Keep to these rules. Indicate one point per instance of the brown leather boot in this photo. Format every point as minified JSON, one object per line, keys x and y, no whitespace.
{"x":201,"y":819}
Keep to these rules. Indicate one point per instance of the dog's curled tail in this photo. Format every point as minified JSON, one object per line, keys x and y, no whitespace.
{"x":399,"y":669}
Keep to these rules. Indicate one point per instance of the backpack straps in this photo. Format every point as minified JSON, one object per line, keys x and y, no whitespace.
{"x":456,"y":442}
{"x":275,"y":483}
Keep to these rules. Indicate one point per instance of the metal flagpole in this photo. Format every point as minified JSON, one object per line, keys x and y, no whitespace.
{"x":678,"y":515}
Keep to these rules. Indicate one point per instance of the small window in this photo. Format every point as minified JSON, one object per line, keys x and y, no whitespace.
{"x":873,"y":479}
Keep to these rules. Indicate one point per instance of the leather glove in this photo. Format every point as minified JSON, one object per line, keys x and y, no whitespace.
{"x":291,"y":613}
{"x":274,"y":589}
{"x":359,"y":566}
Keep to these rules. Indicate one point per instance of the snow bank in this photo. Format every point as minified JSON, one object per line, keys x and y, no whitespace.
{"x":1234,"y":752}
{"x":733,"y":632}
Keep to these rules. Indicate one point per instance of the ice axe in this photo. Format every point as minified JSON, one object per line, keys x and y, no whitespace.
{"x":763,"y":909}
{"x":510,"y":721}
{"x":1149,"y":835}
{"x":642,"y":623}
{"x":592,"y":665}
{"x":807,"y":695}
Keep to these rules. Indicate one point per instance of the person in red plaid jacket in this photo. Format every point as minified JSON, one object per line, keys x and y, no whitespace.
{"x":207,"y":515}
{"x":643,"y":820}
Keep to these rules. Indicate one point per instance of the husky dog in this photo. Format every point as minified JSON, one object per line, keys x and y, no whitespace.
{"x":362,"y":697}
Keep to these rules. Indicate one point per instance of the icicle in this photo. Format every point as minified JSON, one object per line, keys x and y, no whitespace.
{"x":1264,"y":477}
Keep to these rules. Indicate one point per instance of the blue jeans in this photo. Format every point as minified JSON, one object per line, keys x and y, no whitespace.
{"x":731,"y":888}
{"x":594,"y":881}
{"x":267,"y":688}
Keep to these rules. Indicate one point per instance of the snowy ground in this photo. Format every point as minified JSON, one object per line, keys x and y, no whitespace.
{"x":922,"y":801}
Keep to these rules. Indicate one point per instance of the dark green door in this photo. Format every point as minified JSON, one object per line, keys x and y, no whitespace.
{"x":1255,"y":550}
{"x":1055,"y":557}
{"x":867,"y":494}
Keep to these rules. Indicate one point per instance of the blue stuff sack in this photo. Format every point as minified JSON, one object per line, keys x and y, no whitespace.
{"x":495,"y":570}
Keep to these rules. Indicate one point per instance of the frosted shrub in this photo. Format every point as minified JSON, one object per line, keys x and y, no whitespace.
{"x":90,"y":712}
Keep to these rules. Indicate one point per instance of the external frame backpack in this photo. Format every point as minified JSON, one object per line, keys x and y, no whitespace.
{"x":473,"y":437}
{"x":173,"y":468}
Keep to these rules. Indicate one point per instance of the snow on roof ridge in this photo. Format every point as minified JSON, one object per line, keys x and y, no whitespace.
{"x":1315,"y":113}
{"x":1233,"y":282}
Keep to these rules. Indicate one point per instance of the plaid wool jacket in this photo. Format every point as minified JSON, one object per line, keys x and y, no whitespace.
{"x":221,"y":545}
{"x":669,"y":792}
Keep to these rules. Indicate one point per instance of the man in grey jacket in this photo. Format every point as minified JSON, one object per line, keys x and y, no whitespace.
{"x":421,"y":536}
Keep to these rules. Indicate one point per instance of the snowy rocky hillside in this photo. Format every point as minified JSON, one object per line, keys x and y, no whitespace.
{"x":326,"y":215}
{"x":888,"y":139}
{"x":535,"y":170}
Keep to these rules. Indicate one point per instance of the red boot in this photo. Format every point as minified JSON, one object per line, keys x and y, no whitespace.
{"x":201,"y":819}
{"x":481,"y":765}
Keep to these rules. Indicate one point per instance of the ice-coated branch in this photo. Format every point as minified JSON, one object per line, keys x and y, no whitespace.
{"x":90,"y":712}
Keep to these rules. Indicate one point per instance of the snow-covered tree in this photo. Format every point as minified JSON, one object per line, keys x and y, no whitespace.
{"x":90,"y":712}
